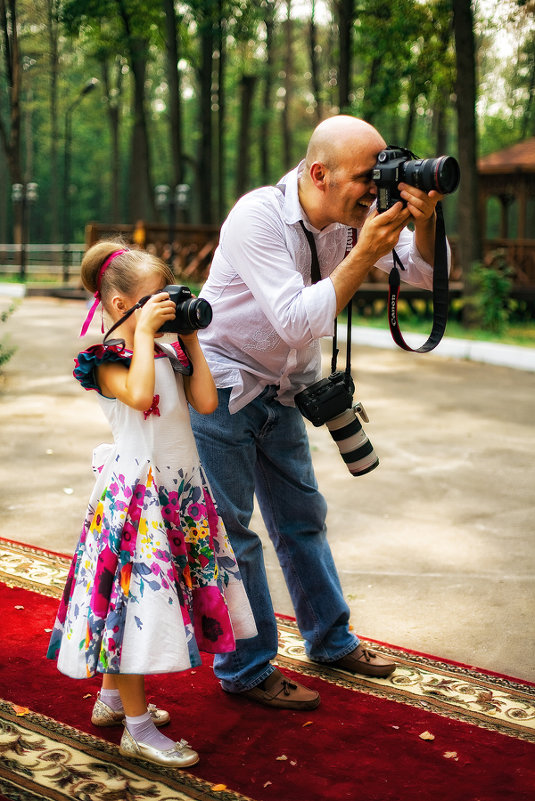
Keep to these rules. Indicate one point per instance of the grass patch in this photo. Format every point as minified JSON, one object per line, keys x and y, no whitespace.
{"x":515,"y":332}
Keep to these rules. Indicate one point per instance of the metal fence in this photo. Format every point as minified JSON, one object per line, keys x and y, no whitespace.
{"x":40,"y":261}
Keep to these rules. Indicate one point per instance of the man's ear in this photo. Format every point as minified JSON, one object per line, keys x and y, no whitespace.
{"x":318,"y":175}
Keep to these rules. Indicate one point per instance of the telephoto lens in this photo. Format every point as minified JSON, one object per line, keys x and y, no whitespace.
{"x":354,"y":446}
{"x":442,"y":174}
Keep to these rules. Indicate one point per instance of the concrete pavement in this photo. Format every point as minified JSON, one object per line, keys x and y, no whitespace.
{"x":435,"y":548}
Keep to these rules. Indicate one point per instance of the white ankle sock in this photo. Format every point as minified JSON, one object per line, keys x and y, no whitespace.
{"x":143,"y":730}
{"x":112,"y":699}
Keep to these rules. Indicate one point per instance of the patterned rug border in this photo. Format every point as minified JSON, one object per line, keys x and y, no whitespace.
{"x":474,"y":681}
{"x":449,"y":689}
{"x":18,"y":781}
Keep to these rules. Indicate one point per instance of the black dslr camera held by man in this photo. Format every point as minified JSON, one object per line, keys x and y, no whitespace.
{"x":397,"y":164}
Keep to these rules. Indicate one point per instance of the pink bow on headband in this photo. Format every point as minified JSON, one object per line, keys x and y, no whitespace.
{"x":96,"y":296}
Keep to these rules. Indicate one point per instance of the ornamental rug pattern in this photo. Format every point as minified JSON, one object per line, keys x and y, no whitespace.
{"x":492,"y":702}
{"x":454,"y":691}
{"x":45,"y":759}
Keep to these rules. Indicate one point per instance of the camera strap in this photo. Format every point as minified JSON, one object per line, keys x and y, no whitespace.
{"x":316,"y":276}
{"x":440,"y":291}
{"x":125,"y":316}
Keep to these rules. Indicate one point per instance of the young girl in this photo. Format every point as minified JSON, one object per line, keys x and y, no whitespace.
{"x":153,"y":580}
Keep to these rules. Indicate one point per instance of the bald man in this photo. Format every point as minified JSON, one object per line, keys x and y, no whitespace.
{"x":263,"y":347}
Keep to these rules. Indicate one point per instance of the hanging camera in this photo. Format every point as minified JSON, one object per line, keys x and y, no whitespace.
{"x":330,"y":402}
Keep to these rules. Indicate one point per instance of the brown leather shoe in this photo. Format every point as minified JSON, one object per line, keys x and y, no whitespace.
{"x":281,"y":693}
{"x":365,"y":662}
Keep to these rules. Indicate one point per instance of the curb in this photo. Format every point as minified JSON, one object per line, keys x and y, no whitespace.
{"x":514,"y":356}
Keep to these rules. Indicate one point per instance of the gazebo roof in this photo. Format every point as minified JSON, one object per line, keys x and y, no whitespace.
{"x":518,"y":158}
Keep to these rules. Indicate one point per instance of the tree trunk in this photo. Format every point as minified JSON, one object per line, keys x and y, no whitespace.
{"x":113,"y":107}
{"x":288,"y":71}
{"x":11,"y":135}
{"x":346,"y":16}
{"x":247,"y":85}
{"x":204,"y":161}
{"x":314,"y":65}
{"x":266,"y":112}
{"x":141,"y":190}
{"x":221,"y":107}
{"x":53,"y":38}
{"x":173,"y":83}
{"x":469,"y":245}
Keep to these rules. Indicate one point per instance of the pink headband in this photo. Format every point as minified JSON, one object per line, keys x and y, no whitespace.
{"x":96,"y":302}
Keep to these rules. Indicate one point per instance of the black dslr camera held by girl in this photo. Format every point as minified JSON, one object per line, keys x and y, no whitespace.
{"x":191,"y":313}
{"x":330,"y":401}
{"x":397,"y":164}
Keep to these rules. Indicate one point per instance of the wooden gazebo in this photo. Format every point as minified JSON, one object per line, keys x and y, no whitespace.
{"x":509,"y":176}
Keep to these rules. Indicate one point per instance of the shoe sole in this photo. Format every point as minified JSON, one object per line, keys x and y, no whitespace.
{"x":111,"y":723}
{"x":275,"y":704}
{"x":185,"y":764}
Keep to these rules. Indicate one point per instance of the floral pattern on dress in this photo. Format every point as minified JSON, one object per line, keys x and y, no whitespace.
{"x":153,"y":564}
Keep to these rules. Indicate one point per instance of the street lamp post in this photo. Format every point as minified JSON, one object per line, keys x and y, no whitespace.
{"x":23,"y":195}
{"x":170,"y":199}
{"x":89,"y":86}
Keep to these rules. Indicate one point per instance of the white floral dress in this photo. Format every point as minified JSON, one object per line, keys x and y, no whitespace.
{"x":153,"y":580}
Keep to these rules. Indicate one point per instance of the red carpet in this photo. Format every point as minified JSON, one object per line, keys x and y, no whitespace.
{"x":364,"y":741}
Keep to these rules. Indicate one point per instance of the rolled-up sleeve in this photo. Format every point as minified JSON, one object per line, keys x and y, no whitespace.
{"x":417,"y":271}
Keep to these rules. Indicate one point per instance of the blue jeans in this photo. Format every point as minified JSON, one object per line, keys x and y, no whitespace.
{"x":264,"y":449}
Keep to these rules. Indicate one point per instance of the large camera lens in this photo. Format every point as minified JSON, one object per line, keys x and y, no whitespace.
{"x":442,"y":174}
{"x":354,"y":446}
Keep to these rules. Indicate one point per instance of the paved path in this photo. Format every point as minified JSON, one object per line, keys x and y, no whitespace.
{"x":435,"y":548}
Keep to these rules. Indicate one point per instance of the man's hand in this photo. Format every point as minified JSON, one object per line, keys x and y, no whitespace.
{"x":380,"y":233}
{"x":421,"y":206}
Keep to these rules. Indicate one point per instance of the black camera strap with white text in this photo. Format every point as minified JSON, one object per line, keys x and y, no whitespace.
{"x":440,"y":292}
{"x":316,"y":276}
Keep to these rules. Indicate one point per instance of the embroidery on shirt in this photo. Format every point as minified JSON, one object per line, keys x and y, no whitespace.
{"x":154,"y":409}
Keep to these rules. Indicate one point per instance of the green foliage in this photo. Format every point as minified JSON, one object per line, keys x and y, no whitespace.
{"x":492,"y":281}
{"x":402,"y":81}
{"x":6,"y":350}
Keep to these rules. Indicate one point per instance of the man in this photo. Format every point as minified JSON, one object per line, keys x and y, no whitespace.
{"x":263,"y":348}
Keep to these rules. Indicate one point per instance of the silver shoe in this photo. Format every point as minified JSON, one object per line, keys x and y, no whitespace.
{"x":104,"y":715}
{"x":179,"y":756}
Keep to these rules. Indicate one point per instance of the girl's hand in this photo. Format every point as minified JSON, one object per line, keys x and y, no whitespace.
{"x":158,"y":310}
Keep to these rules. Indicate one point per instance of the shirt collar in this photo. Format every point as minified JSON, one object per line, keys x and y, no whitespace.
{"x":292,"y":210}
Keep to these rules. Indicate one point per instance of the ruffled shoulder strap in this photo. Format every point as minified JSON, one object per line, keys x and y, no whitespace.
{"x":177,"y":357}
{"x":88,"y":360}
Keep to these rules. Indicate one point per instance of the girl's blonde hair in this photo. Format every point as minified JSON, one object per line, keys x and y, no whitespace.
{"x":124,"y":272}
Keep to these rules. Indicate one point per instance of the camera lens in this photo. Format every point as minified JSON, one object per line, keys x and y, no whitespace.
{"x":442,"y":174}
{"x":354,"y":446}
{"x":199,"y":313}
